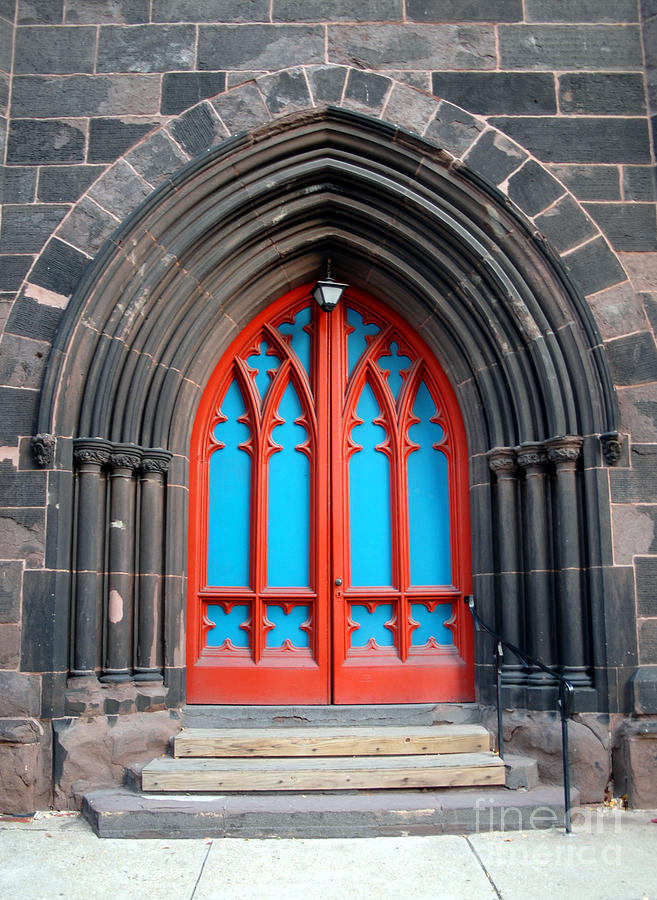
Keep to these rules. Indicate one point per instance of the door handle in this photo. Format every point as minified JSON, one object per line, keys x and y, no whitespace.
{"x":338,"y":582}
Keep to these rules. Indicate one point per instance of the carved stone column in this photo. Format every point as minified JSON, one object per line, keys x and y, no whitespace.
{"x":90,"y":456}
{"x":539,"y":606}
{"x":120,"y":601}
{"x":502,"y":461}
{"x":572,"y":626}
{"x":152,"y":469}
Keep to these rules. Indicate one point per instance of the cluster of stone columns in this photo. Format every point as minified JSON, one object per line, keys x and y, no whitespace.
{"x":541,"y":596}
{"x":117,"y":616}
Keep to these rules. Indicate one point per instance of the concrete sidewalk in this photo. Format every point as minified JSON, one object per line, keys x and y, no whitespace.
{"x":612,"y":854}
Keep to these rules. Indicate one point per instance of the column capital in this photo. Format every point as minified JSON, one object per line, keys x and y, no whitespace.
{"x":125,"y":457}
{"x":502,"y":461}
{"x":564,"y":451}
{"x":92,"y":450}
{"x":155,"y":461}
{"x":532,"y":457}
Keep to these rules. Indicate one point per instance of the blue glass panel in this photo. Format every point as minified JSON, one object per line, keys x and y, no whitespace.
{"x":288,"y":627}
{"x":356,"y":342}
{"x":227,"y":625}
{"x":300,"y":339}
{"x":289,"y":500}
{"x":432,"y":624}
{"x":371,"y":625}
{"x":428,"y":498}
{"x":229,"y":498}
{"x":263,"y":363}
{"x":369,"y":500}
{"x":393,"y":365}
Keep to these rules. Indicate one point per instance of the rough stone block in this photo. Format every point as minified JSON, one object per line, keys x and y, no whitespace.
{"x":638,"y":183}
{"x":594,"y":267}
{"x":210,"y":11}
{"x":414,"y":47}
{"x":198,"y":129}
{"x":336,"y":11}
{"x":590,"y":182}
{"x":10,"y":649}
{"x":629,"y":226}
{"x":588,"y":93}
{"x":618,"y":311}
{"x":180,"y":90}
{"x":638,"y":412}
{"x":26,"y":227}
{"x":85,"y":95}
{"x":5,"y":48}
{"x":646,"y":585}
{"x":98,"y":12}
{"x":88,"y":226}
{"x":326,"y":83}
{"x":570,"y":47}
{"x":145,"y":48}
{"x":581,"y":11}
{"x":45,"y":612}
{"x":366,"y":91}
{"x":17,"y":184}
{"x":633,"y":359}
{"x":20,"y":695}
{"x":497,"y":93}
{"x":157,"y":158}
{"x":648,"y":642}
{"x":22,"y":535}
{"x":573,"y":139}
{"x":259,"y":47}
{"x":285,"y":92}
{"x":39,"y":12}
{"x":454,"y":129}
{"x":18,"y":778}
{"x":120,"y":190}
{"x":13,"y":270}
{"x":241,"y":108}
{"x":59,"y":268}
{"x":17,"y":416}
{"x":566,"y":226}
{"x":111,"y":138}
{"x":410,"y":109}
{"x":37,"y":142}
{"x":11,"y":581}
{"x":533,"y":189}
{"x":495,"y":157}
{"x":464,"y":11}
{"x":57,"y":50}
{"x":644,"y":690}
{"x":4,"y":94}
{"x":421,"y":80}
{"x":636,"y":764}
{"x":638,"y":484}
{"x":66,"y":183}
{"x":22,"y":361}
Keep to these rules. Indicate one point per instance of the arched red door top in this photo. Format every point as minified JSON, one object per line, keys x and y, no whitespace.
{"x":329,"y":532}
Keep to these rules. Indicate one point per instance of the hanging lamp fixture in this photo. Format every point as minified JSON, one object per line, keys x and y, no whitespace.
{"x":327,"y":293}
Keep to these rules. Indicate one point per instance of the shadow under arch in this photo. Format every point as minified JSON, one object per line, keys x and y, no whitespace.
{"x":254,"y":218}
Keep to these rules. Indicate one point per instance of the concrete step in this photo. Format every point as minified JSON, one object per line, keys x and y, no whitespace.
{"x":319,"y":774}
{"x":399,"y":714}
{"x":121,"y":813}
{"x":330,"y":741}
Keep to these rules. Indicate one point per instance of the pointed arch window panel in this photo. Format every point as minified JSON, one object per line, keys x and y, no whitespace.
{"x":329,"y":540}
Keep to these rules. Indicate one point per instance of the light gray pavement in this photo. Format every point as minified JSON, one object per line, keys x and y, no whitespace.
{"x":612,"y":854}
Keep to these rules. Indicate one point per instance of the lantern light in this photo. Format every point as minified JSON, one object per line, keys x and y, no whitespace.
{"x":327,"y":293}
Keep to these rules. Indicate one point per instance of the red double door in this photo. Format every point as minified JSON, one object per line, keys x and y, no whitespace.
{"x":329,"y":531}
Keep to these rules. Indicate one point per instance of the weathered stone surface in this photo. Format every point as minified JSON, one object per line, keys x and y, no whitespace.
{"x":454,"y":129}
{"x":92,"y":12}
{"x":40,"y":142}
{"x":87,"y":227}
{"x":20,"y":695}
{"x":642,"y":269}
{"x":646,"y":585}
{"x":638,"y":411}
{"x":94,"y":752}
{"x":39,"y":12}
{"x":565,"y":225}
{"x":590,"y":182}
{"x":576,"y":139}
{"x":11,"y":576}
{"x":59,"y":268}
{"x":594,"y":266}
{"x":366,"y":91}
{"x":538,"y":735}
{"x":85,"y":95}
{"x":588,"y":93}
{"x":120,"y":190}
{"x":22,"y":361}
{"x":4,"y":93}
{"x":581,"y":11}
{"x":495,"y":157}
{"x":410,"y":109}
{"x":575,"y":47}
{"x":648,"y":641}
{"x":638,"y":484}
{"x":421,"y":80}
{"x":157,"y":158}
{"x":210,"y":11}
{"x":533,"y":189}
{"x":464,"y":11}
{"x":66,"y":183}
{"x":22,"y":536}
{"x":26,"y":227}
{"x":633,"y":359}
{"x":496,"y":93}
{"x":415,"y":47}
{"x":638,"y":183}
{"x":618,"y":311}
{"x":336,"y":11}
{"x":10,"y":650}
{"x":629,"y":226}
{"x":198,"y":129}
{"x":20,"y":731}
{"x":635,"y":531}
{"x":241,"y":108}
{"x":259,"y":47}
{"x":18,"y":184}
{"x":18,"y":778}
{"x":285,"y":92}
{"x":110,"y":138}
{"x":18,"y":408}
{"x":13,"y":270}
{"x":326,"y":83}
{"x":146,"y":48}
{"x":57,"y":51}
{"x":180,"y":90}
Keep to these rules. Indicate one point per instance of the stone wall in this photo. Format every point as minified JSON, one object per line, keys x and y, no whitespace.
{"x":84,"y":83}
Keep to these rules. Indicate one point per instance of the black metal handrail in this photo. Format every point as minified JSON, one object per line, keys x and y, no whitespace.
{"x":564,"y":701}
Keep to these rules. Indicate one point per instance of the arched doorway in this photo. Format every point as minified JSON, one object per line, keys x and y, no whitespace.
{"x":329,"y":531}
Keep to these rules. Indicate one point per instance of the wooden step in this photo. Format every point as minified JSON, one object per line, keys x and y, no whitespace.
{"x":275,"y":742}
{"x":320,"y":774}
